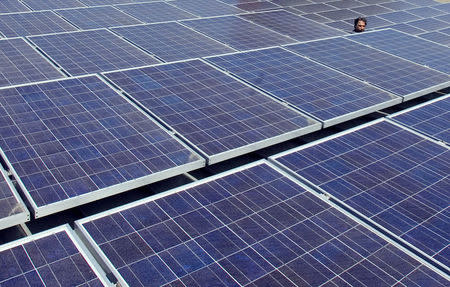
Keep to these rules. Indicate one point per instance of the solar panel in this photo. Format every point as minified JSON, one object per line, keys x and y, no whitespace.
{"x":23,"y":64}
{"x":316,"y":17}
{"x":51,"y":258}
{"x":399,"y":17}
{"x":429,"y":24}
{"x":398,"y":5}
{"x":437,"y":37}
{"x":108,"y":2}
{"x":54,"y":4}
{"x":403,"y":27}
{"x":238,"y":33}
{"x":92,"y":51}
{"x":430,"y":118}
{"x":155,"y":12}
{"x":340,"y":14}
{"x":313,"y":8}
{"x":443,"y":7}
{"x":253,"y":226}
{"x":32,"y":23}
{"x":257,"y":6}
{"x":371,"y":10}
{"x":373,"y":22}
{"x":206,"y":8}
{"x":341,"y":4}
{"x":73,"y":141}
{"x":286,"y":3}
{"x":292,"y":25}
{"x":409,"y":47}
{"x":11,"y":6}
{"x":12,"y":208}
{"x":396,"y":178}
{"x":425,"y":12}
{"x":172,"y":41}
{"x":97,"y":17}
{"x":236,"y":1}
{"x":381,"y":69}
{"x":219,"y":115}
{"x":326,"y":94}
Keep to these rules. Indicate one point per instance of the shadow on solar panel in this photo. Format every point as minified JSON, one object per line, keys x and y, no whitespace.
{"x":73,"y":141}
{"x":251,"y":226}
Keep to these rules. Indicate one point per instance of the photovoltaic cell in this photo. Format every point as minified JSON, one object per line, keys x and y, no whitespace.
{"x":54,"y":4}
{"x":97,"y":17}
{"x":370,"y":10}
{"x":384,"y":70}
{"x":286,"y":3}
{"x":409,"y":47}
{"x":257,"y":6}
{"x":297,"y":27}
{"x":108,"y":2}
{"x":155,"y":12}
{"x":172,"y":41}
{"x":32,"y":23}
{"x":437,"y":37}
{"x":23,"y":64}
{"x":403,"y":27}
{"x":425,"y":12}
{"x":11,"y":6}
{"x":341,"y":4}
{"x":429,"y":24}
{"x":77,"y":140}
{"x":92,"y":51}
{"x":431,"y":118}
{"x":390,"y":175}
{"x":251,"y":227}
{"x":216,"y":113}
{"x":12,"y":208}
{"x":50,"y":258}
{"x":238,"y":33}
{"x":206,"y":8}
{"x":313,"y":8}
{"x":398,"y":5}
{"x":341,"y":14}
{"x":313,"y":88}
{"x":399,"y":17}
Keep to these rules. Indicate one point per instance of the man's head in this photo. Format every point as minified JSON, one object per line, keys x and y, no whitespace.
{"x":360,"y":24}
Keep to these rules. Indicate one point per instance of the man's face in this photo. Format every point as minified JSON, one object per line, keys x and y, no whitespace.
{"x":360,"y":26}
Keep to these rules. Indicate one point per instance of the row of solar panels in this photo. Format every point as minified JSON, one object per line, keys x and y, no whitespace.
{"x":374,"y":212}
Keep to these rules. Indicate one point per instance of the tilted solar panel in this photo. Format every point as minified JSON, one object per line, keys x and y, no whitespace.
{"x":73,"y":141}
{"x":384,"y":70}
{"x":429,"y":24}
{"x":431,"y":118}
{"x":155,"y":12}
{"x":37,"y":5}
{"x":238,"y":33}
{"x":297,"y":27}
{"x":253,"y":226}
{"x":330,"y":96}
{"x":22,"y":64}
{"x":216,"y":113}
{"x":50,"y":258}
{"x":33,"y":23}
{"x":409,"y":47}
{"x":11,"y":6}
{"x":437,"y":37}
{"x":172,"y":41}
{"x":396,"y":178}
{"x":12,"y":208}
{"x":206,"y":8}
{"x":93,"y":51}
{"x":97,"y":17}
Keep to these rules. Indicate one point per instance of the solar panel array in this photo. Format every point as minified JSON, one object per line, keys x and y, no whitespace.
{"x":50,"y":258}
{"x":68,"y":137}
{"x":12,"y":208}
{"x":251,"y":227}
{"x":23,"y":64}
{"x":431,"y":118}
{"x":315,"y":89}
{"x":72,"y":139}
{"x":381,"y":69}
{"x":392,"y":176}
{"x":216,"y":113}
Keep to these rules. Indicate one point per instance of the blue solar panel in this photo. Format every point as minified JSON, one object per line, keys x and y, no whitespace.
{"x":431,"y":118}
{"x":109,"y":2}
{"x":53,"y":4}
{"x":313,"y":8}
{"x":425,"y":12}
{"x":390,"y":175}
{"x":251,"y":227}
{"x":292,"y":25}
{"x":23,"y":64}
{"x":97,"y":17}
{"x":32,"y":23}
{"x":155,"y":12}
{"x":11,"y":6}
{"x":206,"y":8}
{"x":409,"y":47}
{"x":340,"y":4}
{"x":50,"y":258}
{"x":399,"y":17}
{"x":172,"y":41}
{"x":12,"y":208}
{"x":74,"y":141}
{"x":286,"y":3}
{"x":257,"y":6}
{"x":92,"y":51}
{"x":403,"y":27}
{"x":384,"y":70}
{"x":398,"y":5}
{"x":341,"y":14}
{"x":437,"y":37}
{"x":370,"y":10}
{"x":324,"y":93}
{"x":429,"y":24}
{"x":238,"y":33}
{"x":216,"y":113}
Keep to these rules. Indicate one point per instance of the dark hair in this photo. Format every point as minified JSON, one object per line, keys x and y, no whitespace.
{"x":359,"y":19}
